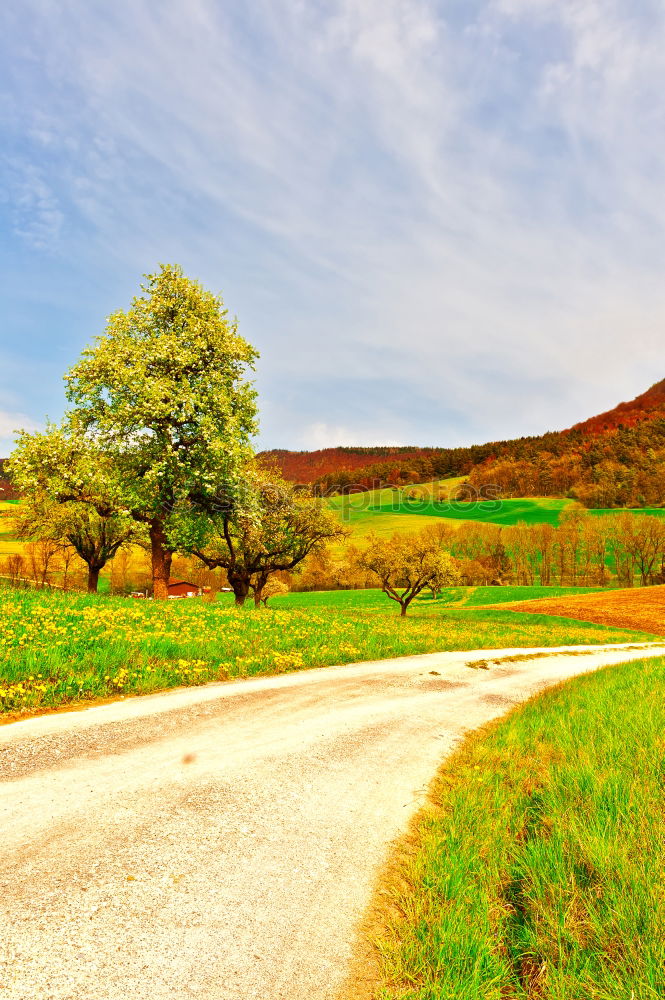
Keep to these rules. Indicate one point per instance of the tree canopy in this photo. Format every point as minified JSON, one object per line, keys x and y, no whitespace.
{"x":161,"y":415}
{"x":94,"y":538}
{"x":407,"y":563}
{"x":274,"y":528}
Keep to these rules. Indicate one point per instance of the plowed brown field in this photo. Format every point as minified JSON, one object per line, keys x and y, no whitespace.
{"x":642,"y":609}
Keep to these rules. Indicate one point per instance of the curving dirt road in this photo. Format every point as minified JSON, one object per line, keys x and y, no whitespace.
{"x":222,"y":842}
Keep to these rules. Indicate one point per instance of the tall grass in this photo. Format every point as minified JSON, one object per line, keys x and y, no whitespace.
{"x":539,"y":870}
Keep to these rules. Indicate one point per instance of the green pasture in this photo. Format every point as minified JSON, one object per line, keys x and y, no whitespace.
{"x":541,"y":510}
{"x":471,"y":597}
{"x":386,"y":511}
{"x":362,"y":522}
{"x":451,"y":597}
{"x":60,"y":648}
{"x":396,"y":494}
{"x":602,"y":511}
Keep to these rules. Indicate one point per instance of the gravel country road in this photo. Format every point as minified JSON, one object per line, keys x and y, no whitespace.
{"x":222,"y":842}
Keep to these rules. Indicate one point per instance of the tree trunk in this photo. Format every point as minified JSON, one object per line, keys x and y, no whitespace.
{"x":240,"y":585}
{"x":93,"y":578}
{"x":240,"y":592}
{"x":403,"y":605}
{"x":161,"y":560}
{"x":258,"y":590}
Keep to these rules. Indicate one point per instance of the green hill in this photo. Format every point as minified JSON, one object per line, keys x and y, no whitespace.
{"x":530,"y":510}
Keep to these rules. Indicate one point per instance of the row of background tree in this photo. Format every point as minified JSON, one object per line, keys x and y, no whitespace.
{"x":620,"y":549}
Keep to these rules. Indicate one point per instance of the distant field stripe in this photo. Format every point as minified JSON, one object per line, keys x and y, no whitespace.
{"x":602,"y":511}
{"x":536,"y":511}
{"x":530,"y":510}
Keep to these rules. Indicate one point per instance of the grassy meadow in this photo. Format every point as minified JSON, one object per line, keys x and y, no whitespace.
{"x":386,"y":511}
{"x":362,"y":522}
{"x":58,"y":649}
{"x":529,"y":510}
{"x":537,"y":871}
{"x":450,"y":597}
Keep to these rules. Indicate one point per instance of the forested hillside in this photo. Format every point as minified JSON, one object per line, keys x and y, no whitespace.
{"x":371,"y":468}
{"x":616,"y":459}
{"x":308,"y":466}
{"x":649,"y":406}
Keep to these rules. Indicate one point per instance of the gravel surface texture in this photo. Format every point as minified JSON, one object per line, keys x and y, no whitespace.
{"x":222,"y":842}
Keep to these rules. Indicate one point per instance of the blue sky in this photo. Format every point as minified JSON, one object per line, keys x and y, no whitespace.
{"x":440,"y":221}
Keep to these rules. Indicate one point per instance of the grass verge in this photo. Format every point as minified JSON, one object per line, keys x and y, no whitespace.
{"x":467,"y":597}
{"x":58,"y":649}
{"x":538,"y":869}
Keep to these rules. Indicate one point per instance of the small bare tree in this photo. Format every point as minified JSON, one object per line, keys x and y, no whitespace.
{"x":14,"y":568}
{"x":67,"y":558}
{"x":406,"y":564}
{"x":41,"y":557}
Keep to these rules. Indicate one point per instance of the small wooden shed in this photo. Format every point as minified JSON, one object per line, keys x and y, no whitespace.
{"x":182,"y":588}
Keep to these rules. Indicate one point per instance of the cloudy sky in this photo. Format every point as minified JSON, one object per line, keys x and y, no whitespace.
{"x":440,"y":221}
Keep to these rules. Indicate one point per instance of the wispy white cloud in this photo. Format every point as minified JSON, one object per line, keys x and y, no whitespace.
{"x":322,"y":435}
{"x":466,"y":198}
{"x":10,"y":424}
{"x":35,"y":213}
